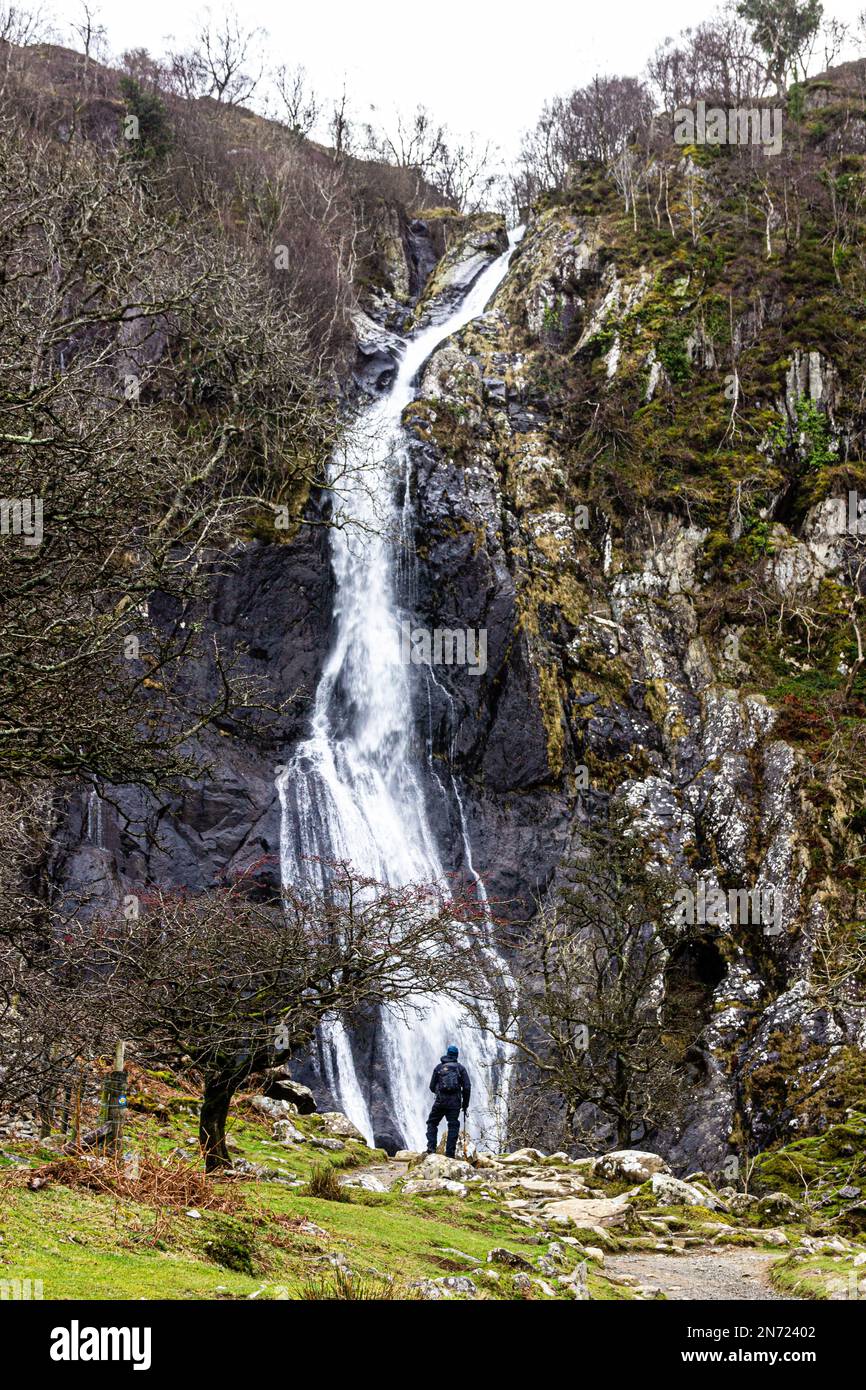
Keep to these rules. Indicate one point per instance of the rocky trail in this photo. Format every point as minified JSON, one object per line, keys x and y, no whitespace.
{"x":705,"y":1274}
{"x":659,"y":1238}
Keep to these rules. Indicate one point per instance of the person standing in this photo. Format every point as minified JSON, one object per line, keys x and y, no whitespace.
{"x":452,"y":1088}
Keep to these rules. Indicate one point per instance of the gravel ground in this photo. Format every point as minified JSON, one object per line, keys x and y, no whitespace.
{"x":703,"y":1274}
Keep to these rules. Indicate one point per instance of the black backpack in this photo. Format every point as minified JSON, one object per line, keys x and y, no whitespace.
{"x":449,"y":1085}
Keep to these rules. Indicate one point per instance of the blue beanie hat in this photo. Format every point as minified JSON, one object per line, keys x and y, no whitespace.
{"x":452,"y":1051}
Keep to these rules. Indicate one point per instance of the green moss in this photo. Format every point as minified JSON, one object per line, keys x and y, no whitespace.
{"x":554,"y":723}
{"x":819,"y":1164}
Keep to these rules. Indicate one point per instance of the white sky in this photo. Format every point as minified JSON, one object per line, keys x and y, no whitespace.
{"x":480,"y":66}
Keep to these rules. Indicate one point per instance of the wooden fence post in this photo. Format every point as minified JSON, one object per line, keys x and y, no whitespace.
{"x":114,"y":1100}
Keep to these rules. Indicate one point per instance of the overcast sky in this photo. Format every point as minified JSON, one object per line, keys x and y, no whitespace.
{"x":481,"y":66}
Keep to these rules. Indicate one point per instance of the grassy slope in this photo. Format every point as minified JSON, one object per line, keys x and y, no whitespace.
{"x":89,"y":1245}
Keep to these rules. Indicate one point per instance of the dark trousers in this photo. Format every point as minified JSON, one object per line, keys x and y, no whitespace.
{"x":451,"y":1111}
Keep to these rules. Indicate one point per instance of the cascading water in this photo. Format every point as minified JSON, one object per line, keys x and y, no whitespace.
{"x":354,"y":789}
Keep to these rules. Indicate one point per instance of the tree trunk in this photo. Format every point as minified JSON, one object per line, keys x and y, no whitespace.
{"x":218,"y":1092}
{"x":620,"y":1094}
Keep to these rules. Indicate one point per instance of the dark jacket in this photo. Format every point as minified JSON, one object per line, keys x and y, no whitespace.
{"x":465,"y":1084}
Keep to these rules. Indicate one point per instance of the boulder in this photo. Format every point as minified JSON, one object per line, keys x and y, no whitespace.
{"x":335,"y":1145}
{"x":458,"y":1254}
{"x":409,"y":1155}
{"x":522,"y":1156}
{"x":593,"y":1253}
{"x":438,"y":1166}
{"x":485,"y":1161}
{"x":853,"y":1219}
{"x":774,"y":1237}
{"x":273,"y":1109}
{"x":259,"y":1173}
{"x":574,"y":1283}
{"x":340,"y":1126}
{"x":738,"y":1203}
{"x":286,"y":1133}
{"x":456,"y":1283}
{"x":778,"y":1206}
{"x":446,"y":1287}
{"x":673,"y":1192}
{"x":280,"y":1086}
{"x":550,"y":1187}
{"x":368,"y":1181}
{"x":427,"y":1187}
{"x":628,"y":1165}
{"x":510,"y":1258}
{"x":590,"y":1211}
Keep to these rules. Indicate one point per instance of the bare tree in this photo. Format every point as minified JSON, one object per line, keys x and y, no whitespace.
{"x":463,"y":171}
{"x":148,"y":71}
{"x":90,"y":33}
{"x":716,"y":61}
{"x":132,"y":457}
{"x":298,"y":103}
{"x":590,"y":969}
{"x":468,"y":173}
{"x":226,"y":985}
{"x":19,"y":28}
{"x":341,"y":129}
{"x":224,"y":62}
{"x":594,"y":123}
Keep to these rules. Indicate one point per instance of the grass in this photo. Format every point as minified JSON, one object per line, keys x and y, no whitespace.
{"x":345,"y":1287}
{"x":819,"y":1277}
{"x":176,"y":1235}
{"x":93,"y":1239}
{"x":89,"y":1245}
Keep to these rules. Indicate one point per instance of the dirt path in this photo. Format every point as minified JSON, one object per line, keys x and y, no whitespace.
{"x":709,"y":1273}
{"x":387,"y":1173}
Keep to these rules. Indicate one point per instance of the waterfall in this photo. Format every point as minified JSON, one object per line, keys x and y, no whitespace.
{"x":354,"y":789}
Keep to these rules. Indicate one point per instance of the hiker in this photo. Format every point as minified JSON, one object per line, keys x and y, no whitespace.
{"x":451,"y":1086}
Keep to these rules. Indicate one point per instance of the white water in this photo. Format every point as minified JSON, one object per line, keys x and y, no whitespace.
{"x":354,"y":789}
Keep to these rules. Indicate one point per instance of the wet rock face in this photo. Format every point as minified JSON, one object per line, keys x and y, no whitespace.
{"x":225,"y":823}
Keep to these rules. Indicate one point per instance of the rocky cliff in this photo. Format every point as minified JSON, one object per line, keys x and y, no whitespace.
{"x":625,"y":474}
